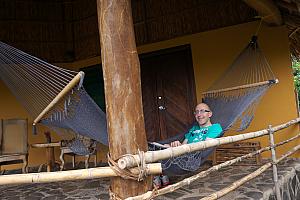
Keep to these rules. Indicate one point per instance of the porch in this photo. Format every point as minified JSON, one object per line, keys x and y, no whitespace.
{"x":258,"y":188}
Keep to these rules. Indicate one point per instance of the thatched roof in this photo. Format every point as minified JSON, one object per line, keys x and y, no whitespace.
{"x":290,"y":11}
{"x":67,"y":30}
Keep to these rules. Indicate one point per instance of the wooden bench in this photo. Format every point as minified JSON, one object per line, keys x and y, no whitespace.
{"x":13,"y":142}
{"x":227,"y":152}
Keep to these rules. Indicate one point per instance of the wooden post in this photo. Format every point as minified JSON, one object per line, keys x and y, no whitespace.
{"x":123,"y":96}
{"x":273,"y":153}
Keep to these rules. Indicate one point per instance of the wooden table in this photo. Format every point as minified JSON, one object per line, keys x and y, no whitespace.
{"x":49,"y":145}
{"x":49,"y":154}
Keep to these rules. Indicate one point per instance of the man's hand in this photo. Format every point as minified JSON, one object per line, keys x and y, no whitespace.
{"x":175,"y":143}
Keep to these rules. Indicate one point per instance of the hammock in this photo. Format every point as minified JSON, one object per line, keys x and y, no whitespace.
{"x":38,"y":84}
{"x":232,"y":100}
{"x":234,"y":97}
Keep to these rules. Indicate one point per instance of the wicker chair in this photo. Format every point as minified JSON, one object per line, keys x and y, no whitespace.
{"x":64,"y":150}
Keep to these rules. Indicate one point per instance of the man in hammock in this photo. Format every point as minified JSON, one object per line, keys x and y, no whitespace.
{"x":203,"y":130}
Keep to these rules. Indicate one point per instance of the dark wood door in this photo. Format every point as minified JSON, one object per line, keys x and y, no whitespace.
{"x":168,"y":90}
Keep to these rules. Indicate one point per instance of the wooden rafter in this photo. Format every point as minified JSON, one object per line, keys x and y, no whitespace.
{"x":267,"y":10}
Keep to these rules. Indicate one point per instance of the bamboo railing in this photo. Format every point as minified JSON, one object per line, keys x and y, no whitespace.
{"x":202,"y":174}
{"x":79,"y":174}
{"x":154,"y":156}
{"x":254,"y":174}
{"x":218,"y":194}
{"x":168,"y":153}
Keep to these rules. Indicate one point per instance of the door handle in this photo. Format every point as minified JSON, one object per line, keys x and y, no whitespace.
{"x":162,"y":108}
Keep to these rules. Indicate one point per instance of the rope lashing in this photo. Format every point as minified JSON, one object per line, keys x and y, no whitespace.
{"x":126,"y":173}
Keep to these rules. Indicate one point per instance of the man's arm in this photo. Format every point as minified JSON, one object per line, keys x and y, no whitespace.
{"x":177,"y":143}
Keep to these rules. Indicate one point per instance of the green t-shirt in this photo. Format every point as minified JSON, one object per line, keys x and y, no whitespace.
{"x":197,"y":133}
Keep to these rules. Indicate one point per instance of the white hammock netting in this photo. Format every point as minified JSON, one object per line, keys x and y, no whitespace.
{"x":36,"y":83}
{"x":235,"y":95}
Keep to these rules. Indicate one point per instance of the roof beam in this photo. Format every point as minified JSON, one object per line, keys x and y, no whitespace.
{"x":267,"y":10}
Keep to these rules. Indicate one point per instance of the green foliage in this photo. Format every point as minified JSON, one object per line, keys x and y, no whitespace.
{"x":296,"y":73}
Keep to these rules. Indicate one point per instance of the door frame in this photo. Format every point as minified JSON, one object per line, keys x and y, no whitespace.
{"x":189,"y":67}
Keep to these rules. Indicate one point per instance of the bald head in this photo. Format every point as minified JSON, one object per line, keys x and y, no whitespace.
{"x":203,"y":114}
{"x":202,"y":105}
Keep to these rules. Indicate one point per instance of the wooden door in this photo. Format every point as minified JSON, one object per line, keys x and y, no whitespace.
{"x":168,"y":90}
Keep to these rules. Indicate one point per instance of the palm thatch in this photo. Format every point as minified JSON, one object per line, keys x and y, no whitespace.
{"x":67,"y":30}
{"x":290,"y":11}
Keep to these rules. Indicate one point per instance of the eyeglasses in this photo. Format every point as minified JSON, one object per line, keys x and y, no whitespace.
{"x":200,"y":112}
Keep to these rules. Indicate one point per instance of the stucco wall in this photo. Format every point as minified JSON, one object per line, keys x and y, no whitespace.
{"x":215,"y":50}
{"x":212,"y":53}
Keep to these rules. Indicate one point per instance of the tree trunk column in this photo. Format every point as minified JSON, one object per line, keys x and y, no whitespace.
{"x":121,"y":71}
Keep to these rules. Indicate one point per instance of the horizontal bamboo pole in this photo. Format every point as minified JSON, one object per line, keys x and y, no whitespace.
{"x":290,"y":152}
{"x":239,"y":87}
{"x":45,"y":145}
{"x":154,"y":156}
{"x":245,"y":179}
{"x":46,"y":177}
{"x":189,"y":180}
{"x":60,"y":95}
{"x":202,"y":174}
{"x":288,"y":140}
{"x":238,"y":183}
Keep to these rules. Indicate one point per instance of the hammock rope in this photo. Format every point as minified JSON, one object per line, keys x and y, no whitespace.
{"x":234,"y":97}
{"x":53,"y":96}
{"x":28,"y":76}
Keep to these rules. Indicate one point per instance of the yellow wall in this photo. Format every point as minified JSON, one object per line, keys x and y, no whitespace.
{"x":212,"y":53}
{"x":215,"y":50}
{"x":11,"y":108}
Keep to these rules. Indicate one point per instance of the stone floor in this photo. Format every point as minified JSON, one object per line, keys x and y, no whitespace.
{"x":259,"y":188}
